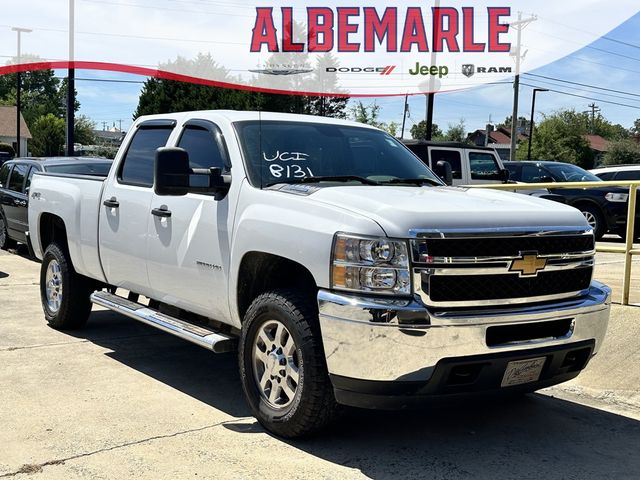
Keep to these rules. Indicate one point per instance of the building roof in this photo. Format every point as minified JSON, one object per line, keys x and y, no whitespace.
{"x":8,"y":123}
{"x":597,"y":143}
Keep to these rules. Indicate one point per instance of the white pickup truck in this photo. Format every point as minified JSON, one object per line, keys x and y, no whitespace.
{"x":334,"y":260}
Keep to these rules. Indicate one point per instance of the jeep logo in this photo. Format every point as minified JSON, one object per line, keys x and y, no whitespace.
{"x":440,"y":71}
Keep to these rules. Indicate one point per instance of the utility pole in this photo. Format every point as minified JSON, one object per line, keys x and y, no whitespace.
{"x":594,"y":109}
{"x":431,"y":96}
{"x":120,"y":125}
{"x":71,"y":92}
{"x":104,"y":125}
{"x":519,"y":26}
{"x":404,"y":115}
{"x":19,"y":31}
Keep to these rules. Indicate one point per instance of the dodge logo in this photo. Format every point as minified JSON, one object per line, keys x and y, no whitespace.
{"x":528,"y":265}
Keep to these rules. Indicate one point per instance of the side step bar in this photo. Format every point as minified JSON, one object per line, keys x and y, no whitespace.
{"x":198,"y":334}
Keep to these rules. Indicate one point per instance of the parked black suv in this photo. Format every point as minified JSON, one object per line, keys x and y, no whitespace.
{"x":605,"y":208}
{"x":15,"y":178}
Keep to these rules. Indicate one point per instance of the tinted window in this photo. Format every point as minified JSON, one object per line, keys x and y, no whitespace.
{"x":137,"y":167}
{"x":514,"y":171}
{"x":605,"y":175}
{"x":628,"y":175}
{"x":451,"y":156}
{"x":99,"y":169}
{"x":566,"y":172}
{"x":29,"y":177}
{"x":16,"y":180}
{"x":533,"y":174}
{"x":202,"y":147}
{"x":4,"y":175}
{"x":483,"y":166}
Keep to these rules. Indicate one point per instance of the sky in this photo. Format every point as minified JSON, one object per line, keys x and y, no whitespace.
{"x":611,"y":62}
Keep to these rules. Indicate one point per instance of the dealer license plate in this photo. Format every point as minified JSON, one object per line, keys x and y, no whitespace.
{"x":522,"y":371}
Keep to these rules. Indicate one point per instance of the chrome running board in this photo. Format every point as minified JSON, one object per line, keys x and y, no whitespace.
{"x":195,"y":333}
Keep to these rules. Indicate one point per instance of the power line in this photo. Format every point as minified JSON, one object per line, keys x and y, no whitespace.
{"x":636,"y":107}
{"x":583,"y":84}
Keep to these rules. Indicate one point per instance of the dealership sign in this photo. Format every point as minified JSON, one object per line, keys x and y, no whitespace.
{"x":340,"y":48}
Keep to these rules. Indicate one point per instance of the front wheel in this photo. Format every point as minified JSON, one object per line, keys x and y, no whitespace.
{"x":64,"y":293}
{"x":595,"y":220}
{"x":282,"y":365}
{"x":5,"y":241}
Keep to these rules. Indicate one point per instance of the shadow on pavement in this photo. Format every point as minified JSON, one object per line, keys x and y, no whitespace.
{"x":533,"y":437}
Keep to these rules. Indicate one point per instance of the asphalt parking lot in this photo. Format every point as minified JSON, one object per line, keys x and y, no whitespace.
{"x":121,"y":400}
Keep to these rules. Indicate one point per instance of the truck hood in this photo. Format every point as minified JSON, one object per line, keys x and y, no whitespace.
{"x":399,"y":209}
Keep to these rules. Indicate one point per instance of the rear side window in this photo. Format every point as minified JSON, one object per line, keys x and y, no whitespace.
{"x":137,"y":165}
{"x":483,"y":166}
{"x":202,"y":147}
{"x":627,"y":175}
{"x":4,"y":175}
{"x":605,"y":175}
{"x":16,"y":180}
{"x":451,"y":156}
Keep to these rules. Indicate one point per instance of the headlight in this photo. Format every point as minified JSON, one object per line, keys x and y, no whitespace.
{"x":365,"y":264}
{"x":617,"y":197}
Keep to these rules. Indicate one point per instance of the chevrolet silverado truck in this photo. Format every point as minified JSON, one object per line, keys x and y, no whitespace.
{"x":324,"y":252}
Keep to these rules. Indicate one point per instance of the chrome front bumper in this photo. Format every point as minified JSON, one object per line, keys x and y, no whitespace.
{"x":374,"y":339}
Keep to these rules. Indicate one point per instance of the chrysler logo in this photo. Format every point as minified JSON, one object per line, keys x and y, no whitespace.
{"x":528,"y":265}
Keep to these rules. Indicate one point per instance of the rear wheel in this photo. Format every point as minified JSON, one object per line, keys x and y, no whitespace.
{"x":282,"y":365}
{"x":595,"y":219}
{"x":64,"y":293}
{"x":5,"y":241}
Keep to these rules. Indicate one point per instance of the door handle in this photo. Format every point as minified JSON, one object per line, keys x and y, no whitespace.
{"x":162,"y":212}
{"x":111,"y":203}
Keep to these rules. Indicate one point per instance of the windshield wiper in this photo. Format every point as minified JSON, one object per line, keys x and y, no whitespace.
{"x":326,"y":178}
{"x":414,"y":181}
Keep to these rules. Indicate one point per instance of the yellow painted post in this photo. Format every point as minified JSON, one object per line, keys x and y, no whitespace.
{"x":628,"y":256}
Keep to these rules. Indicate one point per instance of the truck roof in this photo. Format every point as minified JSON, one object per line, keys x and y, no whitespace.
{"x":435,"y":143}
{"x":238,"y":116}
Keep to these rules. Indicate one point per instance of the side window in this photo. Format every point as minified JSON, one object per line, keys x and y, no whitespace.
{"x":137,"y":165}
{"x":203,"y":148}
{"x":605,"y":176}
{"x":4,"y":176}
{"x":483,"y":166}
{"x":628,"y":175}
{"x":451,"y":156}
{"x":29,"y":177}
{"x":514,"y":172}
{"x":16,"y":180}
{"x":533,"y":174}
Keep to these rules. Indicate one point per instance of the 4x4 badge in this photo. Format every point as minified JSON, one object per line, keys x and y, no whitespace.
{"x":529,"y":265}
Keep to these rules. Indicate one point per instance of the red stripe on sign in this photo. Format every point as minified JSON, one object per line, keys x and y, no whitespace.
{"x":391,"y":68}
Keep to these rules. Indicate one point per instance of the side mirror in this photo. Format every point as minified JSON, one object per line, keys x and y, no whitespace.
{"x":171,"y":172}
{"x":443,"y":170}
{"x":504,"y":175}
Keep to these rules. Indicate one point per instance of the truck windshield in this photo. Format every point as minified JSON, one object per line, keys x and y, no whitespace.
{"x":291,"y":152}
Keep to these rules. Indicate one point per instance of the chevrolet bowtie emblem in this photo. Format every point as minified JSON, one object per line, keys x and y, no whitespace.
{"x":529,"y":265}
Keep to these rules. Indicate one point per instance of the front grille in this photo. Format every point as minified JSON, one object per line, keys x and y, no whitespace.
{"x":460,"y":270}
{"x":459,"y":288}
{"x":503,"y":247}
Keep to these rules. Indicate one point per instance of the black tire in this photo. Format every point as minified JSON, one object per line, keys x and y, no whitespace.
{"x":5,"y":241}
{"x":595,"y":218}
{"x":74,"y":306}
{"x":313,"y":405}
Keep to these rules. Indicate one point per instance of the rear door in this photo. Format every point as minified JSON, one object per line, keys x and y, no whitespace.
{"x":125,"y":211}
{"x":189,"y":250}
{"x":15,"y":202}
{"x":454,"y":157}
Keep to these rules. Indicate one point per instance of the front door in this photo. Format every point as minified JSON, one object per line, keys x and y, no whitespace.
{"x":126,"y":210}
{"x":15,"y":203}
{"x":189,"y":242}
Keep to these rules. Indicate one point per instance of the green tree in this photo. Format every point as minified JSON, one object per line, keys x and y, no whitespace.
{"x":84,"y":130}
{"x":456,"y":132}
{"x":48,"y":136}
{"x":419,"y":131}
{"x":366,"y":113}
{"x":392,"y":128}
{"x":560,"y":137}
{"x":163,"y":96}
{"x":622,"y":152}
